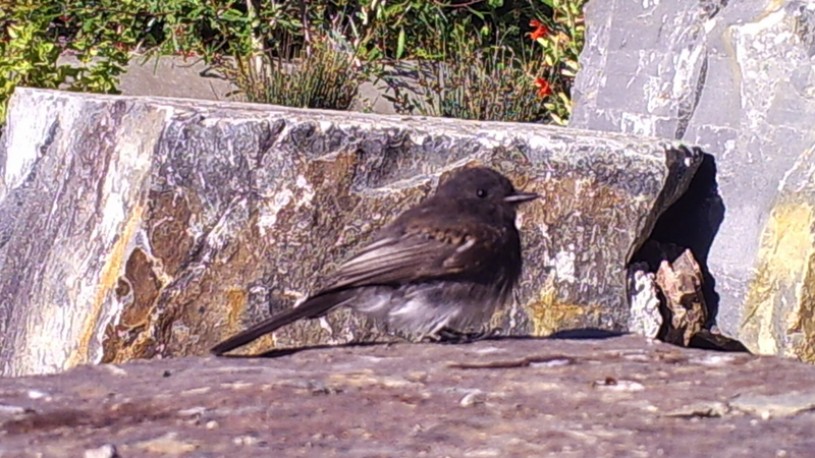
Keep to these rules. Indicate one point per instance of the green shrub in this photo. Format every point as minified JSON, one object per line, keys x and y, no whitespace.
{"x":474,"y":80}
{"x":323,"y":77}
{"x":229,"y":34}
{"x":34,"y":34}
{"x":527,"y":81}
{"x":376,"y":32}
{"x":561,"y":36}
{"x":27,"y":55}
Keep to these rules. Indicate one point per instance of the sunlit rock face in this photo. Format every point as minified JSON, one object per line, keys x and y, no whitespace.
{"x":149,"y":227}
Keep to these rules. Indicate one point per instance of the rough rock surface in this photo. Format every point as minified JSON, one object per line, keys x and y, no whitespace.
{"x":621,"y":396}
{"x":146,"y":227}
{"x":738,"y":79}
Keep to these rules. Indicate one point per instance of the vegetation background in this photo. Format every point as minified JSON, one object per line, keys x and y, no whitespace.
{"x":474,"y":59}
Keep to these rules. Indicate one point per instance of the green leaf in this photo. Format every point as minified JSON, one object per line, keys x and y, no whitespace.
{"x":476,"y":13}
{"x":400,"y":44}
{"x":564,"y":97}
{"x":233,"y":15}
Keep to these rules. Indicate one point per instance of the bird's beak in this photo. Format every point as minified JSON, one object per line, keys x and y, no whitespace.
{"x":521,"y":197}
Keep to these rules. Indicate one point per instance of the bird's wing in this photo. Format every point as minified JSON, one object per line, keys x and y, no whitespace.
{"x":419,"y":252}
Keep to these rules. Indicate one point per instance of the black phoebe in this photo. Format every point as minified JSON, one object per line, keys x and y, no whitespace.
{"x":442,"y":266}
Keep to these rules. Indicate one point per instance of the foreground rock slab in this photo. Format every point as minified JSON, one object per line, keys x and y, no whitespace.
{"x":736,"y":78}
{"x":620,"y":396}
{"x":145,"y":227}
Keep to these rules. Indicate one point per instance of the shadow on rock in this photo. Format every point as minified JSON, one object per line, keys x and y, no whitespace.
{"x":280,"y":352}
{"x":586,"y":334}
{"x":692,"y":222}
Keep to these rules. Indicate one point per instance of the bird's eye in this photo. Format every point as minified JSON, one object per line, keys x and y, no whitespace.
{"x":482,"y":193}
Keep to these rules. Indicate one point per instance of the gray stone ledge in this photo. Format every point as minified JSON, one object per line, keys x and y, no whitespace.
{"x":620,"y":396}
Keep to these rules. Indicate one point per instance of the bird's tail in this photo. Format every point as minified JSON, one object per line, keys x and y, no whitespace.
{"x":314,"y":307}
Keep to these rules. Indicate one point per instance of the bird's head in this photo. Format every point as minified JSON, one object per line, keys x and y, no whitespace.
{"x":483,"y":184}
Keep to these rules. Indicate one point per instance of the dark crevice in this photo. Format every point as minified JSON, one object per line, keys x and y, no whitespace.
{"x":690,"y":223}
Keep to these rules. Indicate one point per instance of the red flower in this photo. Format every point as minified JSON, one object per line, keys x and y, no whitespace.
{"x":540,"y":30}
{"x":544,"y":88}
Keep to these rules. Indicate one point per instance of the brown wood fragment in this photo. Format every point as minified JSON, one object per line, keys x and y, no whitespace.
{"x":681,"y":284}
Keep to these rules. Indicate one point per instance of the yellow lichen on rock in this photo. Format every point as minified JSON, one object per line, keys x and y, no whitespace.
{"x":777,"y":303}
{"x":548,"y":316}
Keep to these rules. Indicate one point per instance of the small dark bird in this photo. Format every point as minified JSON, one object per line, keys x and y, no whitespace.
{"x":439,"y":269}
